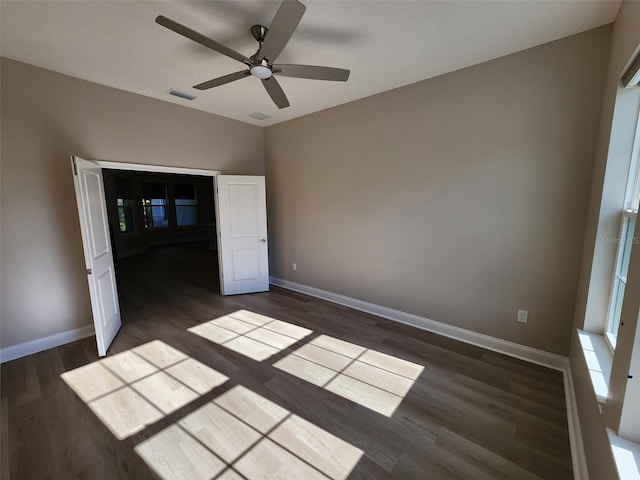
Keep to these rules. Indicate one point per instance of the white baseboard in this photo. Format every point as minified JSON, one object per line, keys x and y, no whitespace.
{"x":540,"y":357}
{"x":52,"y":341}
{"x":578,"y":458}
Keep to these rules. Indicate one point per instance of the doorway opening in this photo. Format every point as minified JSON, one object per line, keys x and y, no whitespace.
{"x":165,"y":291}
{"x":163,"y":238}
{"x":240,"y":224}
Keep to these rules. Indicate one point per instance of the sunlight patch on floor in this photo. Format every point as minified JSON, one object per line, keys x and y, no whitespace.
{"x":245,"y":435}
{"x":251,"y":334}
{"x":239,"y":434}
{"x":372,"y":379}
{"x":136,"y":388}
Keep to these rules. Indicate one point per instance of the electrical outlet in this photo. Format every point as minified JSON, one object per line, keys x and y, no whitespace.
{"x":523,"y":316}
{"x":294,"y":267}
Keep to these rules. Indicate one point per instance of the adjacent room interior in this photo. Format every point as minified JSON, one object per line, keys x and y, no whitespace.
{"x":152,"y":209}
{"x":159,"y":223}
{"x":453,"y":270}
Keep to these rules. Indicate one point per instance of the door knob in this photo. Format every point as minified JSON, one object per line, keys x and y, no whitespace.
{"x":263,"y":240}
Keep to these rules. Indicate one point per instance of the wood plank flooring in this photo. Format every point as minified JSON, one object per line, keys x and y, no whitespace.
{"x":197,"y":385}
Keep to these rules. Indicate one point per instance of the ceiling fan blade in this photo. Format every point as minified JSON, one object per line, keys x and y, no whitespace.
{"x":201,"y":39}
{"x":216,"y":82}
{"x":313,"y":72}
{"x":282,"y":27}
{"x":275,"y":92}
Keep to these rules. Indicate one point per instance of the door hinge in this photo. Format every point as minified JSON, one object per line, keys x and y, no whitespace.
{"x":89,"y":272}
{"x":75,"y":167}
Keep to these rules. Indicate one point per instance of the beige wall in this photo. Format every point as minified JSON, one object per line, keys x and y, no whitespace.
{"x":615,"y":138}
{"x":46,"y":117}
{"x":460,"y":198}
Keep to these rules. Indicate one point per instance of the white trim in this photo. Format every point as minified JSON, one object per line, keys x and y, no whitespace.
{"x":578,"y":458}
{"x":34,"y":346}
{"x":599,"y":359}
{"x":626,"y":455}
{"x":139,"y":167}
{"x":540,"y":357}
{"x":632,"y":191}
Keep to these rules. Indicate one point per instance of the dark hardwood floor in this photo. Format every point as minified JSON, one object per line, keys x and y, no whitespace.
{"x":471,"y":413}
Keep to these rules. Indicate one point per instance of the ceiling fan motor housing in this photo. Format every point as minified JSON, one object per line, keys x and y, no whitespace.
{"x":259,"y":32}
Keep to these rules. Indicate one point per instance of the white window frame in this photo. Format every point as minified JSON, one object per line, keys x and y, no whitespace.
{"x":628,"y":214}
{"x":625,"y":241}
{"x":632,"y":192}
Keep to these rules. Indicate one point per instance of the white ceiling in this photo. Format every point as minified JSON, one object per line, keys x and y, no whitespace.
{"x":385,"y":44}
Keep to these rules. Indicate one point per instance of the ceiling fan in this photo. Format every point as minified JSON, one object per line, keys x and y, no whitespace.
{"x":261,"y":64}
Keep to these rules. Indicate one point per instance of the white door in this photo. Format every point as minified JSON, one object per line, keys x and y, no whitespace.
{"x":98,"y":255}
{"x":241,"y":210}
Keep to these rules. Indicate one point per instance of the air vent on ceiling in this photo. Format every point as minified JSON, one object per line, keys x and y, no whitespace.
{"x":177,"y":93}
{"x":259,"y":116}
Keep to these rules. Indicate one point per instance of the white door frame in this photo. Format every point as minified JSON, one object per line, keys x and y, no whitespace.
{"x":160,"y":169}
{"x":140,"y":167}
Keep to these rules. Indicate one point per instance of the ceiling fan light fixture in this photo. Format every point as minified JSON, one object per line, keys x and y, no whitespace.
{"x":261,"y":72}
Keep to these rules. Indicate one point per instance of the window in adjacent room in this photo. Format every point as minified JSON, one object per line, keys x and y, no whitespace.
{"x":186,"y":205}
{"x":124,"y":203}
{"x":154,"y":205}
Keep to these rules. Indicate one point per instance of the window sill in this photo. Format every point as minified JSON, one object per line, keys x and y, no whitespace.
{"x":626,"y":455}
{"x":599,"y":357}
